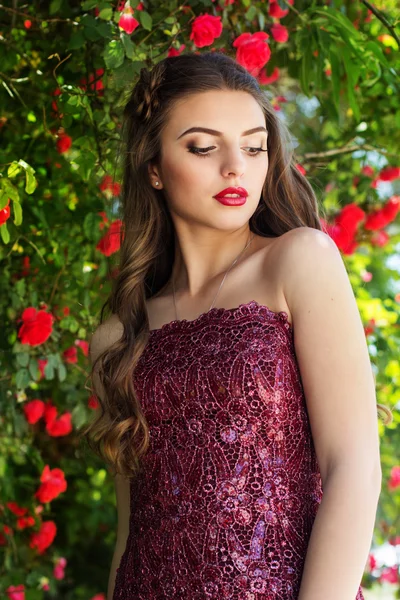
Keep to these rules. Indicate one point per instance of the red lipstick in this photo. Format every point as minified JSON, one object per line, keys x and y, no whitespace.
{"x":236,"y":200}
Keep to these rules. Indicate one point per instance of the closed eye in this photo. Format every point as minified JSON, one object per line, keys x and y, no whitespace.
{"x":204,"y":151}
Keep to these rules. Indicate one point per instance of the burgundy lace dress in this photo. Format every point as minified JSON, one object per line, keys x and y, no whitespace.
{"x":225,"y":504}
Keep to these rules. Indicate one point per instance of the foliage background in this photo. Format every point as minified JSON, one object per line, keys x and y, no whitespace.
{"x":64,"y":69}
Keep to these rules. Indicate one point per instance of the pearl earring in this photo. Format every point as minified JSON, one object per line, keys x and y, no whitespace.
{"x":156,"y":182}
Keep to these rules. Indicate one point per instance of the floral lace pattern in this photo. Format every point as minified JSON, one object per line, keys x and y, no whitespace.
{"x":230,"y":486}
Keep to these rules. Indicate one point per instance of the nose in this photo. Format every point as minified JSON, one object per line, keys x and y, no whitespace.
{"x":234,"y":164}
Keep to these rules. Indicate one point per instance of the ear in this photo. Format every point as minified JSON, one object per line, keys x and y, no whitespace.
{"x":154,"y":176}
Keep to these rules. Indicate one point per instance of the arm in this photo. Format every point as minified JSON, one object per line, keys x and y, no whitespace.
{"x":122,"y":492}
{"x":104,"y":336}
{"x":339,"y":390}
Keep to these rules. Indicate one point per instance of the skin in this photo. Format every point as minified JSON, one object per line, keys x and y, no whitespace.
{"x":210,"y":235}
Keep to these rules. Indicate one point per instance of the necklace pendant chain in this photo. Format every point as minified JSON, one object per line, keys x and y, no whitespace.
{"x":222,"y":282}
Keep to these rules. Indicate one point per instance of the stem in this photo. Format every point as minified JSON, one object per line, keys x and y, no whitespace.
{"x":382,"y":18}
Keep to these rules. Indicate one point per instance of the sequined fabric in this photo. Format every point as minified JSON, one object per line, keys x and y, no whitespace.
{"x":225,"y":504}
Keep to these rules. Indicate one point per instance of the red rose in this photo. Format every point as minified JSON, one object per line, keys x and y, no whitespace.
{"x":265,"y":79}
{"x":70,"y":355}
{"x":34,"y":411}
{"x":44,"y":538}
{"x":205,"y":29}
{"x":279,"y":32}
{"x":253,"y":51}
{"x":24,"y":522}
{"x":110,"y":242}
{"x":83,"y":345}
{"x":64,"y":143}
{"x":50,"y":413}
{"x":389,"y":173}
{"x":61,"y":426}
{"x":276,"y":11}
{"x":53,"y":484}
{"x":173,"y":52}
{"x":93,"y":403}
{"x":36,"y":328}
{"x":16,"y":510}
{"x":5,"y":213}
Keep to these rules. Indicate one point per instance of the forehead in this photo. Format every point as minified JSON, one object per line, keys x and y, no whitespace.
{"x":225,"y":110}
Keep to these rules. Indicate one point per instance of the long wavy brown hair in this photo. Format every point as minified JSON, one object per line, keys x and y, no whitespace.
{"x":119,"y":432}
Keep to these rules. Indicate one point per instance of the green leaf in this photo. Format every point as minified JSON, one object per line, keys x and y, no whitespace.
{"x":76,"y":41}
{"x":7,"y":190}
{"x":305,"y":71}
{"x":105,"y":30}
{"x":89,"y":4}
{"x":13,"y":169}
{"x":22,"y":379}
{"x":31,"y":181}
{"x":55,"y":6}
{"x":377,"y":51}
{"x":34,"y":369}
{"x":17,"y":214}
{"x":86,"y":162}
{"x":114,"y":54}
{"x":90,"y":28}
{"x":145,"y":20}
{"x":335,"y":67}
{"x":251,"y":13}
{"x":129,"y":47}
{"x":62,"y":372}
{"x":23,"y":359}
{"x":91,"y":226}
{"x":49,"y":371}
{"x":5,"y":236}
{"x":106,"y":14}
{"x":338,"y":19}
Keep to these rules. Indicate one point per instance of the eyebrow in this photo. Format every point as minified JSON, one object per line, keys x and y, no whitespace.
{"x":219,"y":133}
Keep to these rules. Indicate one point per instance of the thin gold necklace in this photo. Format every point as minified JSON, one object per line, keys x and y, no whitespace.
{"x":236,"y":259}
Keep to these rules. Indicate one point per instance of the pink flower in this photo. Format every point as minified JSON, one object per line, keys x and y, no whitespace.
{"x":390,"y":574}
{"x":59,"y":567}
{"x":127,"y":22}
{"x":394,"y":481}
{"x":16,"y":592}
{"x":205,"y":29}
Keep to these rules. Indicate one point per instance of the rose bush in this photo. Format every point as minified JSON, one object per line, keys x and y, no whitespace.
{"x":332,"y":72}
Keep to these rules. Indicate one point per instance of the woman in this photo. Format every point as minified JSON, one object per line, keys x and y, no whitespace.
{"x":226,"y":400}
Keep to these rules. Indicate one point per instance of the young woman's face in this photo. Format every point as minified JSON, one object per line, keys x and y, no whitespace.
{"x":190,"y":181}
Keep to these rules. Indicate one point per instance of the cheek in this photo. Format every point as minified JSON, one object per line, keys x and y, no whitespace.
{"x":185,"y":172}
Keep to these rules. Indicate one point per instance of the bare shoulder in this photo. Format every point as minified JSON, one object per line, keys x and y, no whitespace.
{"x":106,"y":334}
{"x":295,"y":252}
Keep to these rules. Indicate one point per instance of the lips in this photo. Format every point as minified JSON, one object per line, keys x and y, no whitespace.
{"x":232,"y":190}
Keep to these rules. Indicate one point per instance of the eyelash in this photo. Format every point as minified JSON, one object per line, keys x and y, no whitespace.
{"x":198,"y":151}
